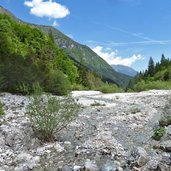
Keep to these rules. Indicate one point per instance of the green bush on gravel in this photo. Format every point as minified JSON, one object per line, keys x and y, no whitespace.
{"x":49,"y":114}
{"x":158,"y":133}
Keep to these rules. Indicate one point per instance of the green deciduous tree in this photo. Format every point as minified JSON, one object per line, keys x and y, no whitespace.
{"x":28,"y":55}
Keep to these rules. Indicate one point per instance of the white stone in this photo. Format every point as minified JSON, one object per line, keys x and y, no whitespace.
{"x":26,"y":159}
{"x":59,"y":148}
{"x":90,"y":166}
{"x":77,"y":168}
{"x":67,"y":143}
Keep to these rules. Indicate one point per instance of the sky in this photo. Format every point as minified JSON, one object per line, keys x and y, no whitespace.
{"x":123,"y":32}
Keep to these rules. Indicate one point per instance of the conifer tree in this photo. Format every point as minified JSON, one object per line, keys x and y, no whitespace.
{"x":163,"y":59}
{"x":151,"y":67}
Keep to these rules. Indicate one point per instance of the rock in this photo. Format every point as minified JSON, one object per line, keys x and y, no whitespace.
{"x":48,"y":151}
{"x":2,"y":142}
{"x":26,"y":160}
{"x":13,"y":136}
{"x":141,"y":156}
{"x":1,"y":169}
{"x":21,"y":168}
{"x":106,"y":151}
{"x":59,"y":148}
{"x":48,"y":148}
{"x":17,"y":138}
{"x":66,"y":168}
{"x":77,"y":168}
{"x":91,"y":166}
{"x":67,"y":143}
{"x":164,"y":167}
{"x":59,"y":168}
{"x":136,"y":169}
{"x":152,"y":164}
{"x":165,"y":154}
{"x":37,"y":159}
{"x":109,"y":167}
{"x":166,"y":146}
{"x":119,"y":169}
{"x":168,"y":131}
{"x":40,"y":151}
{"x":133,"y":126}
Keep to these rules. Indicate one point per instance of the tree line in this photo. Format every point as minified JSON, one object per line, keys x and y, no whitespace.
{"x":157,"y":76}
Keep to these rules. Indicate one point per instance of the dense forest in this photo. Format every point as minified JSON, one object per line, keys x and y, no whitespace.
{"x":29,"y":58}
{"x":157,"y":76}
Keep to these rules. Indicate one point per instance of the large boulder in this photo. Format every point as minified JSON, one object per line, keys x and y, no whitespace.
{"x":140,"y":155}
{"x":18,"y":138}
{"x":91,"y":166}
{"x":164,"y":167}
{"x":25,"y":161}
{"x":166,"y":146}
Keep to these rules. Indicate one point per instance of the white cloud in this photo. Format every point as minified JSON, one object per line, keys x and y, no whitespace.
{"x":112,"y":57}
{"x":55,"y":24}
{"x":41,"y":8}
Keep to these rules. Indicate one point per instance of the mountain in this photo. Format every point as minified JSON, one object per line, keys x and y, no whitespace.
{"x":80,"y":54}
{"x":84,"y":55}
{"x":125,"y":70}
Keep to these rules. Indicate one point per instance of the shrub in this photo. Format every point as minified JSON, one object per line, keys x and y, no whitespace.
{"x":1,"y":109}
{"x":37,"y":89}
{"x":109,"y":88}
{"x":23,"y":89}
{"x":1,"y":83}
{"x":49,"y":115}
{"x":158,"y":133}
{"x":58,"y":84}
{"x":149,"y":85}
{"x":78,"y":87}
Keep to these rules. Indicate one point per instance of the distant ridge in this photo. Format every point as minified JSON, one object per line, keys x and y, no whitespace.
{"x":125,"y":70}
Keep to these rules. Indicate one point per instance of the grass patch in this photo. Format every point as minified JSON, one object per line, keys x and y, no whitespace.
{"x":1,"y":109}
{"x":159,"y":133}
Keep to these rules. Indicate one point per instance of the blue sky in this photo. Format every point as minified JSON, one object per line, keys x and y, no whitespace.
{"x":121,"y":31}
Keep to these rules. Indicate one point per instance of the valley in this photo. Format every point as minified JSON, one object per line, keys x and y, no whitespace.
{"x":65,"y":106}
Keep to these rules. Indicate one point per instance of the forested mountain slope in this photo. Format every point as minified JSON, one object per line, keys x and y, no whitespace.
{"x":80,"y":54}
{"x":29,"y":58}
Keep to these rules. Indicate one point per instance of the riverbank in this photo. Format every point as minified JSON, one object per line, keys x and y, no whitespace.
{"x":112,"y":132}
